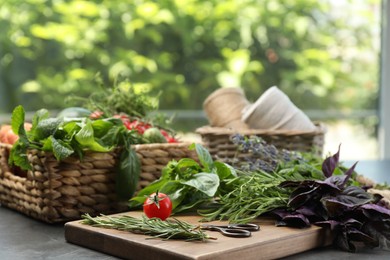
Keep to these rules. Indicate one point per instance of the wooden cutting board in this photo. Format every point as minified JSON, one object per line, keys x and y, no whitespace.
{"x":269,"y":243}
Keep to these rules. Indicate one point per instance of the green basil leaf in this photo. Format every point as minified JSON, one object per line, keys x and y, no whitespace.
{"x":207,"y":183}
{"x":204,"y":157}
{"x":187,"y":162}
{"x":225,"y":171}
{"x":176,"y":192}
{"x":127,"y":175}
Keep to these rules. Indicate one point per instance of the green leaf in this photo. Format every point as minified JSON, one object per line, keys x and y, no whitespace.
{"x":225,"y":171}
{"x":187,"y":162}
{"x":38,"y":116}
{"x":101,"y":127}
{"x":139,"y":199}
{"x":85,"y":137}
{"x":204,"y":157}
{"x":19,"y":157}
{"x":127,"y":175}
{"x":17,"y":118}
{"x":18,"y":152}
{"x":207,"y":183}
{"x":45,"y":128}
{"x":176,"y":192}
{"x":61,"y":150}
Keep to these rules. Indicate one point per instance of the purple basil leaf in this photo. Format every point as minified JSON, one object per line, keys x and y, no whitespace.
{"x":330,"y":164}
{"x":301,"y":196}
{"x":281,"y":213}
{"x":376,"y":198}
{"x":380,"y":231}
{"x":290,"y":184}
{"x":351,"y":222}
{"x":350,"y":198}
{"x":332,"y":224}
{"x":296,"y":220}
{"x":280,"y":223}
{"x":358,"y":236}
{"x":336,"y":208}
{"x":342,"y":242}
{"x":306,"y":211}
{"x":348,"y":173}
{"x":313,"y":211}
{"x":375,"y":212}
{"x":332,"y":183}
{"x":291,"y":219}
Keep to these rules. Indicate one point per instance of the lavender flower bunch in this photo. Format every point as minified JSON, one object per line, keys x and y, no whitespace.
{"x":259,"y":155}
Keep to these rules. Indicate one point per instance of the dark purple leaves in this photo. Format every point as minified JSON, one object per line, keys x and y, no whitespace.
{"x":292,"y":219}
{"x":330,"y":164}
{"x":347,"y":200}
{"x":301,"y":195}
{"x":376,"y":212}
{"x":353,"y":214}
{"x":348,"y":173}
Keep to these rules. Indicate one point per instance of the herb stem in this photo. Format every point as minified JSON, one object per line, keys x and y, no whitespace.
{"x":157,"y":228}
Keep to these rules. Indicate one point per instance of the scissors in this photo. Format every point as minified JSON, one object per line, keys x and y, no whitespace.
{"x":233,"y":230}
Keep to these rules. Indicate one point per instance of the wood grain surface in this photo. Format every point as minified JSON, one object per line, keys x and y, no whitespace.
{"x":269,"y":243}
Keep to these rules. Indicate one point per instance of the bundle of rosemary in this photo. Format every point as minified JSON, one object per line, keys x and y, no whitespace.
{"x":155,"y":227}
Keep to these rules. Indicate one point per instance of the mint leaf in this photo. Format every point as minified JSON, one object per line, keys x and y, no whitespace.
{"x":86,"y":138}
{"x":38,"y":116}
{"x":17,"y":118}
{"x":18,"y":152}
{"x":60,"y":149}
{"x":18,"y":156}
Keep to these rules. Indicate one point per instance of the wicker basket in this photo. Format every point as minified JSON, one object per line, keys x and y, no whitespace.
{"x":62,"y":191}
{"x":218,"y":142}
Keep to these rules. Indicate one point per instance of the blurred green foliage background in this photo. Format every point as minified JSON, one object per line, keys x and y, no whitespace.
{"x":322,"y":53}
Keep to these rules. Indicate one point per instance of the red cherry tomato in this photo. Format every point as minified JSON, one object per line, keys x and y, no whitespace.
{"x":158,"y":205}
{"x":168,"y":137}
{"x":96,"y":114}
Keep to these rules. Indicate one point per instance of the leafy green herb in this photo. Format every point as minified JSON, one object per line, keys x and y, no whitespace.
{"x":155,"y":227}
{"x":66,"y":137}
{"x":252,"y":195}
{"x":187,"y":182}
{"x":122,"y":98}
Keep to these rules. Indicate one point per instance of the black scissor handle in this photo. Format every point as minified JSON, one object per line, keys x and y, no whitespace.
{"x":232,"y":232}
{"x":248,"y":226}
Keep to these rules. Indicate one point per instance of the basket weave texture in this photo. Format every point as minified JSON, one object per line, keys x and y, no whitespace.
{"x":59,"y":191}
{"x":218,"y":140}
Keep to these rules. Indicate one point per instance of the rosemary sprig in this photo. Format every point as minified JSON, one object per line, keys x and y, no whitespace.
{"x":155,"y":227}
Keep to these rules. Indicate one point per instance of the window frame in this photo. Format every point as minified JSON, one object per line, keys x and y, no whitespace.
{"x":384,"y":93}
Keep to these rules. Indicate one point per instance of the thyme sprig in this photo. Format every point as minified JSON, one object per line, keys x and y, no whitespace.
{"x":155,"y":227}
